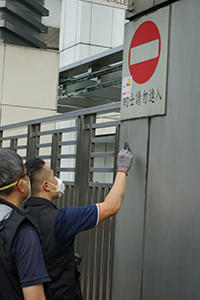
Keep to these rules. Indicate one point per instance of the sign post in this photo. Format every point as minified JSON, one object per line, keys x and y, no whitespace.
{"x":145,"y":66}
{"x":122,"y":4}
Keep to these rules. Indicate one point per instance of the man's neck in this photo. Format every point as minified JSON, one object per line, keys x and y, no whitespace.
{"x":8,"y":204}
{"x":42,"y":195}
{"x":13,"y":199}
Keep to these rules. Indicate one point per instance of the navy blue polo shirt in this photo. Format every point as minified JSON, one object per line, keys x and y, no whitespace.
{"x":72,"y":220}
{"x":27,"y":256}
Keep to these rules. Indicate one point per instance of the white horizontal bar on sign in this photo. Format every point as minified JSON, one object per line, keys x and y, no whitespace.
{"x":144,"y":52}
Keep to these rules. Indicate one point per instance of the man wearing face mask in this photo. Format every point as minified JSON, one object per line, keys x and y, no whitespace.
{"x":22,"y":270}
{"x":57,"y":228}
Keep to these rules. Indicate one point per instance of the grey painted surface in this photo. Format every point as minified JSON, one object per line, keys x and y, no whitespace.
{"x":172,"y":242}
{"x":129,"y":220}
{"x":141,"y":5}
{"x":171,"y":264}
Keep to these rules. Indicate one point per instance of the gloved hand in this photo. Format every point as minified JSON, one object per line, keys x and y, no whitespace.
{"x":124,"y":161}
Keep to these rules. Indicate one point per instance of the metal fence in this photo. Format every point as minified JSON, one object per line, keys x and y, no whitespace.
{"x":81,"y":148}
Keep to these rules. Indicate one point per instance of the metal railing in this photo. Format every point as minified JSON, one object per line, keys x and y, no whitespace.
{"x":81,"y":147}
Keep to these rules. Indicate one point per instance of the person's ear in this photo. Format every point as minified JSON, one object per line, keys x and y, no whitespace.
{"x":20,"y":186}
{"x":46,"y":186}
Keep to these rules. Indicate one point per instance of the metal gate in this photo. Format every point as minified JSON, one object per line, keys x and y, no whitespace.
{"x":81,"y":148}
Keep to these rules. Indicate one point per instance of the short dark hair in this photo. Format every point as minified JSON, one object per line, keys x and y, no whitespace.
{"x":35,"y":168}
{"x":11,"y":168}
{"x":34,"y":164}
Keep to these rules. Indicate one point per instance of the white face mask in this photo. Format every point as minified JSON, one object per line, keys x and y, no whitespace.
{"x":60,"y":187}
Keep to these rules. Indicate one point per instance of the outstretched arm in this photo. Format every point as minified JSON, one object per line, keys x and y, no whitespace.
{"x":113,"y":201}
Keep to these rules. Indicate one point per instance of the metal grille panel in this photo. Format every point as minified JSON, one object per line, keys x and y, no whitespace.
{"x":81,"y":148}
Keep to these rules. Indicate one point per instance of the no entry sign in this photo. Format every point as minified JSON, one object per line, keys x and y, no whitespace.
{"x":144,"y":52}
{"x":145,"y":66}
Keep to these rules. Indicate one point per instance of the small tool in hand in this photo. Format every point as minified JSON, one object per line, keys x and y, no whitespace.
{"x":126,"y":146}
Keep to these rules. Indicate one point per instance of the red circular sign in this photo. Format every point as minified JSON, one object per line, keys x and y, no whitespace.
{"x":144,"y":52}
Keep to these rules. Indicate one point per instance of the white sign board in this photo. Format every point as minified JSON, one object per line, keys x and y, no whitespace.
{"x":145,"y":66}
{"x":123,"y":4}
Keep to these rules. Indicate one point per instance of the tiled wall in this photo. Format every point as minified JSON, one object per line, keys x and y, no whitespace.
{"x":88,"y":29}
{"x":28,"y":83}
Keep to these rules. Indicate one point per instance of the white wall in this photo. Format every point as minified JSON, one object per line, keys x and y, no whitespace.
{"x":87,"y":29}
{"x":28,"y":83}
